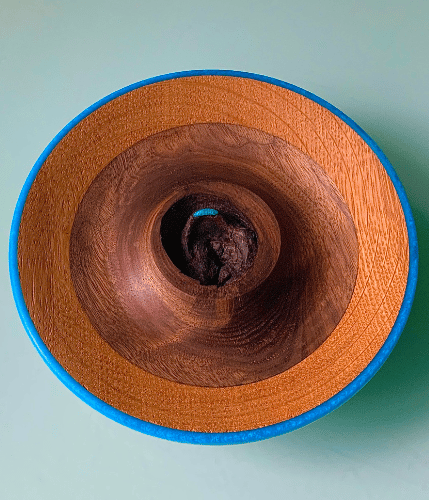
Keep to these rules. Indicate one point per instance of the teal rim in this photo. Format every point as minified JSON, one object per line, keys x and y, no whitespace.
{"x":222,"y":437}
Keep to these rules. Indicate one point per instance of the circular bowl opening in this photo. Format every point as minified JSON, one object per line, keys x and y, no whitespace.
{"x":143,"y":342}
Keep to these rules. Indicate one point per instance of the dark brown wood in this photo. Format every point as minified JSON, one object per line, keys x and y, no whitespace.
{"x":275,"y":308}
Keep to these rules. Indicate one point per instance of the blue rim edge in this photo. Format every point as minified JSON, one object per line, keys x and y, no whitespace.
{"x":222,"y":437}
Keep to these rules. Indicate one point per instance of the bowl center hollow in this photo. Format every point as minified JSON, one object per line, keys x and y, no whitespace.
{"x":208,"y":239}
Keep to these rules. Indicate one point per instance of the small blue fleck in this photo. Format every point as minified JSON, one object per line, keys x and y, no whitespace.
{"x":205,"y":211}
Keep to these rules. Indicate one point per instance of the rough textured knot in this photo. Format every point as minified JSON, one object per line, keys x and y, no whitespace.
{"x":217,"y":248}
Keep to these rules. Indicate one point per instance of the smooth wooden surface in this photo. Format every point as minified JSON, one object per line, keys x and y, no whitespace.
{"x":53,"y":201}
{"x":268,"y":319}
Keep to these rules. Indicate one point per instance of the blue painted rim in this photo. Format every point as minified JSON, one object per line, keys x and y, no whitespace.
{"x":222,"y":437}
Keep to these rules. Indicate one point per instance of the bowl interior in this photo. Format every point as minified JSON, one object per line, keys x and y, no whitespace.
{"x":220,"y":299}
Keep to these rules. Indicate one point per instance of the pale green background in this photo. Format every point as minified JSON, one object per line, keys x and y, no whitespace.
{"x":368,"y":58}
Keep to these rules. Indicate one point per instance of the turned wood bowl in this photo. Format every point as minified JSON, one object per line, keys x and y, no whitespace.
{"x":213,"y":257}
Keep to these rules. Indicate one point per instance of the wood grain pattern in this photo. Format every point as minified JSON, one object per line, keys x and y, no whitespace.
{"x":81,"y":155}
{"x":254,"y":327}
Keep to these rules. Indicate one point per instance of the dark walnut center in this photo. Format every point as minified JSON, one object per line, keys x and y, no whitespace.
{"x":213,"y":255}
{"x":214,"y":245}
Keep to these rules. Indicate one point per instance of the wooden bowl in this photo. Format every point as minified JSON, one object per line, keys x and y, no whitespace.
{"x":213,"y":257}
